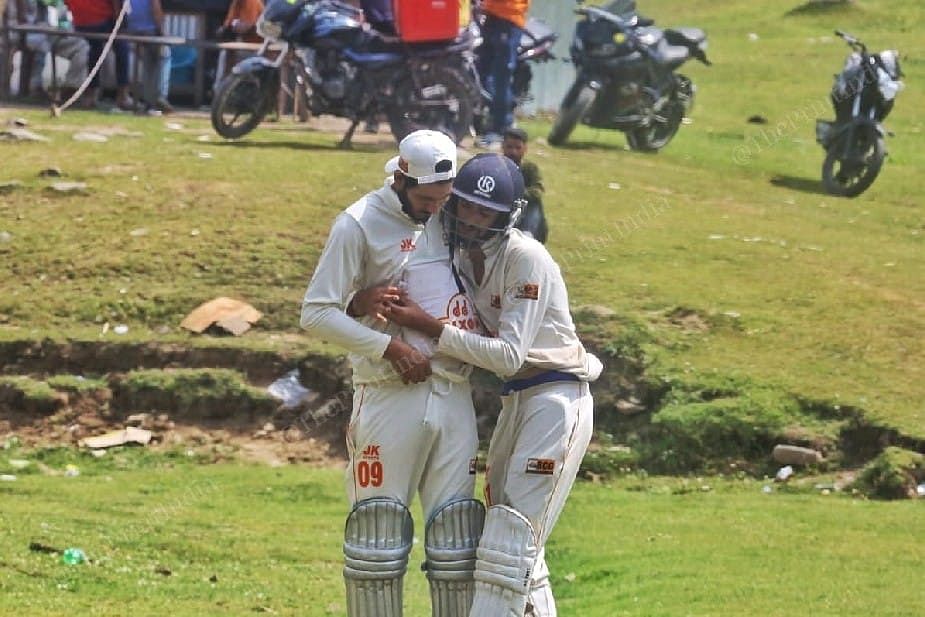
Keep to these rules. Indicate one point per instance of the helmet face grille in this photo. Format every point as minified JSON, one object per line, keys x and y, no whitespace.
{"x":452,"y":224}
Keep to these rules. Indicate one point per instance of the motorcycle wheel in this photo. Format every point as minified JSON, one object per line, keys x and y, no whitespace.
{"x":851,"y":178}
{"x":575,"y":105}
{"x":238,"y":106}
{"x":656,"y":136}
{"x":438,"y":99}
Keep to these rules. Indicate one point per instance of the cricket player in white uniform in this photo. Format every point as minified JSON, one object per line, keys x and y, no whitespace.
{"x":546,"y":419}
{"x":412,"y":427}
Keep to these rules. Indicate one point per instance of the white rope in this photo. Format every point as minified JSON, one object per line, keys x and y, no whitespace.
{"x":126,"y":9}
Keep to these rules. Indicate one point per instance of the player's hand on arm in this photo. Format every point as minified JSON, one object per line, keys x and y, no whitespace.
{"x":373,"y":302}
{"x":408,"y":314}
{"x":411,"y":364}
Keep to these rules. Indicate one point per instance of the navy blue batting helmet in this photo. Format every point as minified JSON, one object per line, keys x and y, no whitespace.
{"x":489,"y":180}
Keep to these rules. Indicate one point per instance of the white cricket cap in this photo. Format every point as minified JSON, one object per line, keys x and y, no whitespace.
{"x":425,"y":155}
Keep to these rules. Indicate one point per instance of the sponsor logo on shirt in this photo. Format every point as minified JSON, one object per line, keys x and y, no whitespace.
{"x":460,"y":313}
{"x":528,"y":291}
{"x":473,"y":466}
{"x":371,"y":453}
{"x":496,"y":301}
{"x":407,"y":245}
{"x":541,"y":466}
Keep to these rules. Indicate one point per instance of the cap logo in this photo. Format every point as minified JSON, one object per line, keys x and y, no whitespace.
{"x":486,"y":184}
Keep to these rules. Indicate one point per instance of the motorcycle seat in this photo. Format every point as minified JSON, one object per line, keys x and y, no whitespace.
{"x":372,"y":59}
{"x":671,"y":56}
{"x":685,"y":36}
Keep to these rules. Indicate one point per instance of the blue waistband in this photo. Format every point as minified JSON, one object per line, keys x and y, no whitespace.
{"x":516,"y":385}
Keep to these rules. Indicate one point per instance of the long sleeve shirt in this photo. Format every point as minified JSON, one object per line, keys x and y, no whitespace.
{"x":523,"y":303}
{"x":372,"y":243}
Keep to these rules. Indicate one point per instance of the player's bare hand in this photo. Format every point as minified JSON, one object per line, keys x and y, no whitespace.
{"x":406,"y":313}
{"x":373,"y":301}
{"x":411,"y":364}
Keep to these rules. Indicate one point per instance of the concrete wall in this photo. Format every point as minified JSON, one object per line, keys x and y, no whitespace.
{"x":552,"y":79}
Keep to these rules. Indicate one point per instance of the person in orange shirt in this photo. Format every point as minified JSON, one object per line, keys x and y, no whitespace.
{"x":497,"y":57}
{"x":239,"y":25}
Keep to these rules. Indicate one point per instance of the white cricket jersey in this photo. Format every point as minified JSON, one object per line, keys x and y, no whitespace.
{"x":523,"y":304}
{"x":372,"y":243}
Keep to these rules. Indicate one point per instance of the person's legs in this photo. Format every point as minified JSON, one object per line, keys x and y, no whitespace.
{"x":122,"y":53}
{"x":163,"y":86}
{"x":39,"y":45}
{"x":453,"y":518}
{"x":505,"y":37}
{"x":93,"y":56}
{"x":449,"y":470}
{"x":150,"y":73}
{"x":552,"y":433}
{"x":75,"y":51}
{"x":387,"y":443}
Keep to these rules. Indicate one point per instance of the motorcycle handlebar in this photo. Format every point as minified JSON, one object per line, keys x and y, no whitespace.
{"x":851,"y":40}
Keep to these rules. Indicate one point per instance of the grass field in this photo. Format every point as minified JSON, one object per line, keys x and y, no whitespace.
{"x":165,"y":536}
{"x":814,"y":295}
{"x":724,"y":262}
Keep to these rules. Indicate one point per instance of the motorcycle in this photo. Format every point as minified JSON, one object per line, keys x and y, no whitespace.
{"x":863,"y":96}
{"x":626,"y":76}
{"x":346,"y":69}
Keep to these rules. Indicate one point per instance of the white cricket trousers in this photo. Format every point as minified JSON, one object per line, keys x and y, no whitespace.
{"x":407,"y":438}
{"x":537,"y":446}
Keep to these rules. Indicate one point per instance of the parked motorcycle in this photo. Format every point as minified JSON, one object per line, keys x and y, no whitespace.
{"x":626,"y":76}
{"x":346,"y":69}
{"x":863,"y":96}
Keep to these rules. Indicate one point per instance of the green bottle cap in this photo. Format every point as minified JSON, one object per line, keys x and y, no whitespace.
{"x":73,"y":556}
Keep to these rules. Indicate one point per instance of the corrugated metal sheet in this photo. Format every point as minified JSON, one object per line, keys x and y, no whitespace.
{"x":186,"y":25}
{"x":552,"y":79}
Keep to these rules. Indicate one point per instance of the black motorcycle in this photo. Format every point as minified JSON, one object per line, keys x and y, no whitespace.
{"x":346,"y":69}
{"x":863,"y":96}
{"x":626,"y":76}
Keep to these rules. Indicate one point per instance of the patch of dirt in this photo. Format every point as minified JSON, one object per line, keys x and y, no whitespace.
{"x":253,"y":428}
{"x":286,"y":436}
{"x":688,"y":319}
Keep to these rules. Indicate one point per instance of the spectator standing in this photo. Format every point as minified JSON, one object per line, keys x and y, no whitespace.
{"x":497,"y":57}
{"x":99,"y":17}
{"x":239,"y":25}
{"x":147,"y":19}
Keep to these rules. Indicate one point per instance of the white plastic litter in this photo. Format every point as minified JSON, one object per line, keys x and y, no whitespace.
{"x":784,"y":473}
{"x":288,"y":389}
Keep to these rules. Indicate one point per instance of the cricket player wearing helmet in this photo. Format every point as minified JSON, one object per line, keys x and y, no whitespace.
{"x":546,"y":419}
{"x":412,"y":427}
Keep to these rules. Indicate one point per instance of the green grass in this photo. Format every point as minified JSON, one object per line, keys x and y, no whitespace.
{"x":801,"y":292}
{"x":271,"y":539}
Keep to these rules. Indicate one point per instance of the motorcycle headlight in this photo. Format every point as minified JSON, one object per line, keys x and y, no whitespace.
{"x":269,"y":30}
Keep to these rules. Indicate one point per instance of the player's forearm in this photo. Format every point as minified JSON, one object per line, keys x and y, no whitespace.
{"x":492,"y":354}
{"x":333,"y":325}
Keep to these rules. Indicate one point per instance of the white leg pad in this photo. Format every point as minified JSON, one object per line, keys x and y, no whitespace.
{"x":450,"y":543}
{"x":377,"y":541}
{"x":506,"y":556}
